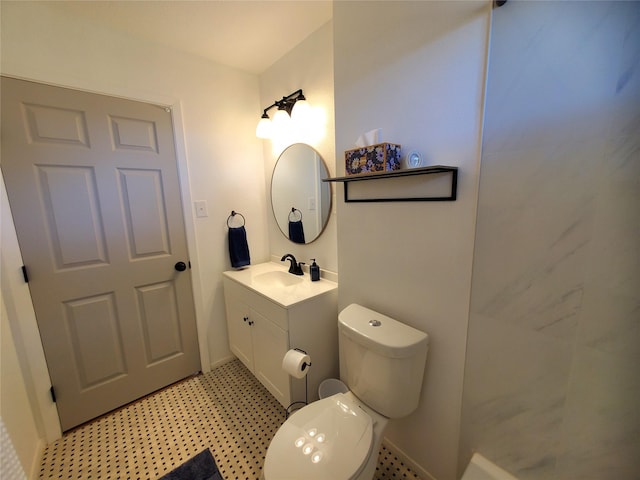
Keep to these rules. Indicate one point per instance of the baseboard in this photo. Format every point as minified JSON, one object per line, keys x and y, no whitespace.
{"x":222,"y":361}
{"x":36,"y":463}
{"x":407,"y":460}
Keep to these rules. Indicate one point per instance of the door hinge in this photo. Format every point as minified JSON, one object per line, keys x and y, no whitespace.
{"x":24,"y":274}
{"x":53,"y":394}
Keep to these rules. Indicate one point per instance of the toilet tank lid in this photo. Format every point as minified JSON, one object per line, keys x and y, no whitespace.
{"x":380,"y":333}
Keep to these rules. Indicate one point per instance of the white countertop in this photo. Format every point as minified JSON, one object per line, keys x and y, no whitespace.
{"x":273,"y":281}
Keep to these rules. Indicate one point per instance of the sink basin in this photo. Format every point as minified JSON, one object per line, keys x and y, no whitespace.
{"x":277,"y":278}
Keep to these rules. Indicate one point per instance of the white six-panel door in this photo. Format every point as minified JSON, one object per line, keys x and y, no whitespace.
{"x":93,"y":187}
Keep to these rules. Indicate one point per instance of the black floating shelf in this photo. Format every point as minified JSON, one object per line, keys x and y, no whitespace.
{"x":410,"y":172}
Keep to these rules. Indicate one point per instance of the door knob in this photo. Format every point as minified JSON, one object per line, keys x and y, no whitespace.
{"x":180,"y":266}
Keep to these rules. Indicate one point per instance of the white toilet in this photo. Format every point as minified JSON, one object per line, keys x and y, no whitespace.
{"x":382,"y":362}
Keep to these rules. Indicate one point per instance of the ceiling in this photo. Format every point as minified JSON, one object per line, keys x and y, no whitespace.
{"x":248,"y":35}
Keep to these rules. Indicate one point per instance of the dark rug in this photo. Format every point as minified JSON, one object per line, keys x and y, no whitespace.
{"x":200,"y":467}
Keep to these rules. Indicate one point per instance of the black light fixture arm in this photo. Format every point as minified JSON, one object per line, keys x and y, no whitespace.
{"x":286,"y":103}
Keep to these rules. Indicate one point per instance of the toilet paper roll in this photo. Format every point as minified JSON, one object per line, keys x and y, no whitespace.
{"x":296,"y":363}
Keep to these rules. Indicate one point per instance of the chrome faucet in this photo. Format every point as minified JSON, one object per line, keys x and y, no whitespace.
{"x":295,"y":268}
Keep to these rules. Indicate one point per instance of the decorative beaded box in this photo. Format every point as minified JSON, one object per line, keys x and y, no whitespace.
{"x":382,"y":157}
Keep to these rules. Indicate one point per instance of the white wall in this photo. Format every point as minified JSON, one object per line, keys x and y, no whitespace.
{"x":29,"y":415}
{"x":10,"y":466}
{"x":214,"y":113}
{"x":552,"y":389}
{"x":16,"y":414}
{"x":15,"y":407}
{"x":308,"y":66}
{"x":416,"y":70}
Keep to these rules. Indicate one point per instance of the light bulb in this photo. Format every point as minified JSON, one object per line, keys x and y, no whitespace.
{"x":281,"y":120}
{"x":264,"y":128}
{"x":281,"y":126}
{"x":301,"y":112}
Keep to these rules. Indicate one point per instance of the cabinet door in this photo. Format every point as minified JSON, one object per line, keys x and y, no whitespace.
{"x":270,"y":343}
{"x":239,"y":331}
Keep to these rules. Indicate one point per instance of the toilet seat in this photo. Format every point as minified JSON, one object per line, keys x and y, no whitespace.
{"x":328,"y":439}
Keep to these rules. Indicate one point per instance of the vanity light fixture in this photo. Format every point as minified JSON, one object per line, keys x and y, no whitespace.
{"x":293,"y":106}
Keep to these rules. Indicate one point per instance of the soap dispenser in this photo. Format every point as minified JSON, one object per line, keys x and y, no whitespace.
{"x":314,"y":269}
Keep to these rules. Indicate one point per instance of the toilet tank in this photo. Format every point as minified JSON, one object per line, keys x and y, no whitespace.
{"x":381,"y":360}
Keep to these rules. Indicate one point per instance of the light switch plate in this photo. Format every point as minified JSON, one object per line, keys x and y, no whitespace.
{"x":201,"y":208}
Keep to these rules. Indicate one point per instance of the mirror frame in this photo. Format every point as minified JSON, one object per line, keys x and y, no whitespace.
{"x":323,"y":174}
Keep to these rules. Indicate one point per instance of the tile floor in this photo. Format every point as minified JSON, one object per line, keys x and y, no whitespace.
{"x":226,"y":410}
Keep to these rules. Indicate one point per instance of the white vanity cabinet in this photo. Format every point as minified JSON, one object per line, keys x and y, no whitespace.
{"x":265,"y":321}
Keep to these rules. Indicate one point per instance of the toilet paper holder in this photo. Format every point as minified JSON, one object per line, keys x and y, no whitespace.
{"x":305,"y":365}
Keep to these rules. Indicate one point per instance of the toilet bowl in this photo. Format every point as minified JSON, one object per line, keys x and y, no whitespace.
{"x":333,"y":438}
{"x":338,"y":437}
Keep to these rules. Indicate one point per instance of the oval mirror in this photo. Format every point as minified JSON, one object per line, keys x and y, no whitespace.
{"x":300,"y":200}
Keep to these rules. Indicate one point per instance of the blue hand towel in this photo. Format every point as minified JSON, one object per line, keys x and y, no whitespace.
{"x":238,"y":247}
{"x":296,"y":232}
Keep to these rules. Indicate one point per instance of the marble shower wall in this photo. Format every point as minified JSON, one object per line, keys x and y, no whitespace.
{"x":552,"y":388}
